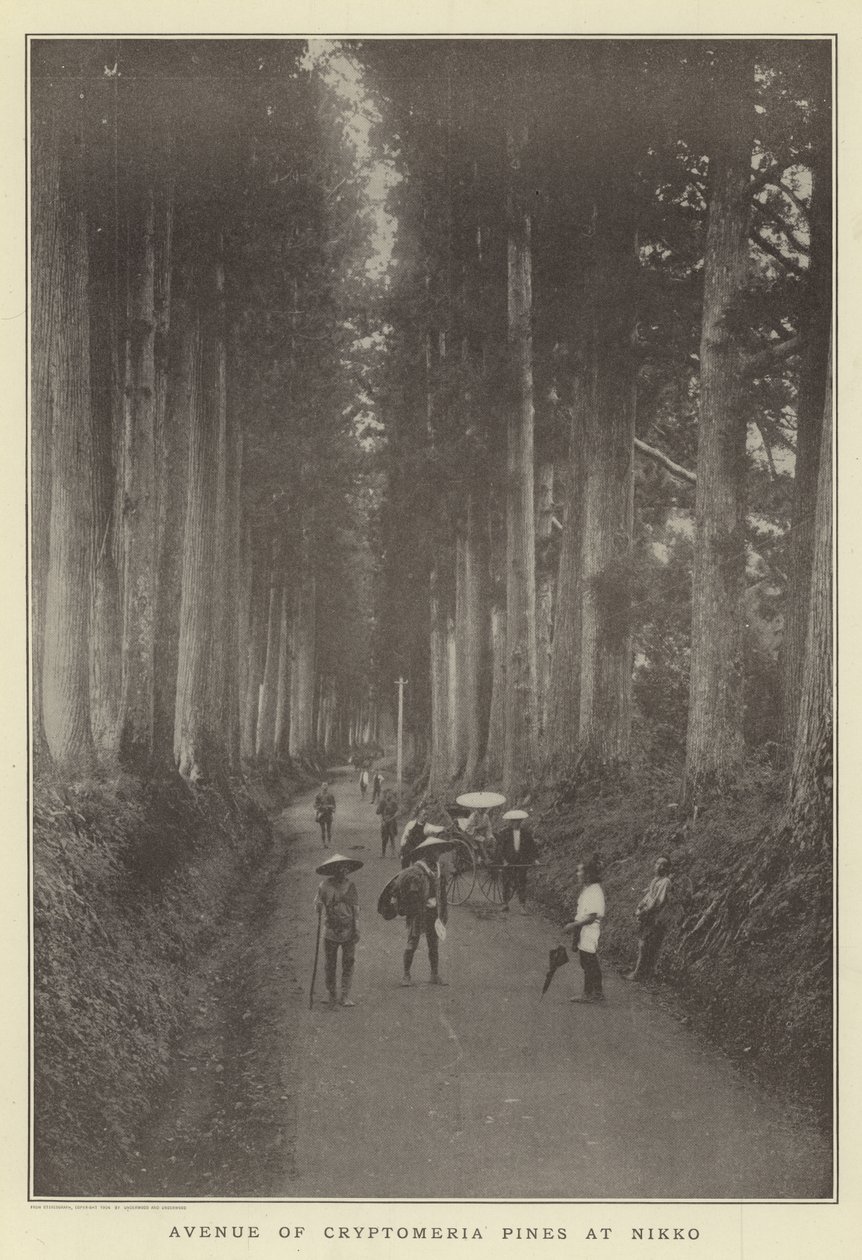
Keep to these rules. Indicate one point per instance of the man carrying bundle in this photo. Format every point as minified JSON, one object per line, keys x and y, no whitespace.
{"x":422,"y":894}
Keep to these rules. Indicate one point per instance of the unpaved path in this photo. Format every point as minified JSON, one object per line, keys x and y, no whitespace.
{"x":480,"y":1090}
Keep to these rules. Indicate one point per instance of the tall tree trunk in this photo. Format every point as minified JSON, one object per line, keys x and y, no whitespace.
{"x":521,"y":750}
{"x":497,"y":714}
{"x":545,"y":582}
{"x":259,"y":606}
{"x":197,"y":735}
{"x":66,"y":659}
{"x":106,"y":623}
{"x":564,"y":698}
{"x":46,"y":271}
{"x":810,"y":411}
{"x":439,"y":673}
{"x":605,"y":708}
{"x":282,"y":688}
{"x":183,"y":399}
{"x":475,"y":650}
{"x":811,"y":781}
{"x":304,"y":656}
{"x":714,"y":742}
{"x":140,"y":516}
{"x":265,"y":746}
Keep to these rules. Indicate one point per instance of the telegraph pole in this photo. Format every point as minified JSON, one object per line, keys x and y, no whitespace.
{"x":401,"y":683}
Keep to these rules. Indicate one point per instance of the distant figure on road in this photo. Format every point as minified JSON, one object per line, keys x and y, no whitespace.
{"x":653,"y":919}
{"x":324,"y":809}
{"x":585,"y":929}
{"x":363,"y":781}
{"x":516,"y":849}
{"x":413,"y":835}
{"x":338,"y":899}
{"x":376,"y":786}
{"x":422,"y":893}
{"x":388,"y":811}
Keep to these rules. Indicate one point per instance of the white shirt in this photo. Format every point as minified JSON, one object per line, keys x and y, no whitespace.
{"x":590,"y":901}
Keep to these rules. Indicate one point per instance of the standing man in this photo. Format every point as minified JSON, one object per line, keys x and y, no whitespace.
{"x":585,"y":929}
{"x":324,"y":809}
{"x":338,"y":900}
{"x":653,"y":916}
{"x":413,"y":835}
{"x":516,"y":849}
{"x":376,"y":786}
{"x":388,"y":811}
{"x":422,"y":892}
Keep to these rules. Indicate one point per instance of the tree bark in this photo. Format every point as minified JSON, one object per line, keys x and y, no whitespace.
{"x":545,"y":583}
{"x":521,"y":749}
{"x":183,"y":399}
{"x":282,"y":687}
{"x":304,"y":655}
{"x":46,"y":271}
{"x":564,"y":699}
{"x":140,"y":515}
{"x":439,"y":685}
{"x":714,"y":743}
{"x":265,"y":745}
{"x":197,"y":737}
{"x":106,"y":625}
{"x":605,"y":701}
{"x":810,"y":813}
{"x":809,"y":422}
{"x":66,"y":660}
{"x":471,"y":693}
{"x":497,"y":713}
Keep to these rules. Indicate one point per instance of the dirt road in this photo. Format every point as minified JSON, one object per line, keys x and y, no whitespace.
{"x":480,"y":1090}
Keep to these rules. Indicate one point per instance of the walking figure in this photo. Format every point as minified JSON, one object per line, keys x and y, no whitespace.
{"x":324,"y":809}
{"x":388,"y":811}
{"x":376,"y":786}
{"x":422,"y":892}
{"x":585,"y":929}
{"x":653,"y":919}
{"x":516,"y":849}
{"x":363,"y":782}
{"x":338,"y":899}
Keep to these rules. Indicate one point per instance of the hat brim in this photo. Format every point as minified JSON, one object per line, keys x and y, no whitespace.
{"x":349,"y":864}
{"x":434,"y":842}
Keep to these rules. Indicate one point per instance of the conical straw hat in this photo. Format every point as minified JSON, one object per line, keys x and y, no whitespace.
{"x":350,"y":864}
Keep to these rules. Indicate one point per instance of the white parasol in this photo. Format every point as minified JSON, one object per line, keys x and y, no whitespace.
{"x":481,"y":800}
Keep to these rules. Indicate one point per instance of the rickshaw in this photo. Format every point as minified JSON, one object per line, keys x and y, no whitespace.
{"x":467,"y":863}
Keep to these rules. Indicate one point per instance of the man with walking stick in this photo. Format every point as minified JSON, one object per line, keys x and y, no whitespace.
{"x":337,"y":906}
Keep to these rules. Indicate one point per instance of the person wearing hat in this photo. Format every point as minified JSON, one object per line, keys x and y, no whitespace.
{"x":516,"y":849}
{"x":338,"y":901}
{"x":324,"y":808}
{"x":387,"y":808}
{"x":422,"y":891}
{"x":412,"y":836}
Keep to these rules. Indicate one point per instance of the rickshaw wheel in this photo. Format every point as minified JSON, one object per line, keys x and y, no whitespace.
{"x":460,"y":873}
{"x":490,"y":880}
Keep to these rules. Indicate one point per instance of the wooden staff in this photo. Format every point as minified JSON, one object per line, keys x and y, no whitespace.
{"x":316,"y":956}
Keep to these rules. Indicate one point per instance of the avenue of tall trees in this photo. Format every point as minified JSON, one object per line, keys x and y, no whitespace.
{"x":562,"y":460}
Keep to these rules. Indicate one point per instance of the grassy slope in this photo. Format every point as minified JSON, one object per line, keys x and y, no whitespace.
{"x":748,"y":962}
{"x":130,"y":885}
